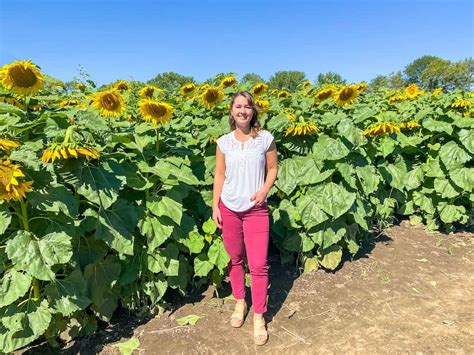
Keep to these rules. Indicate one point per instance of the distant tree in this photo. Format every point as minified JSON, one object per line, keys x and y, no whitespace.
{"x":393,"y":81}
{"x":447,"y":75}
{"x":286,"y":79}
{"x":170,"y":81}
{"x":252,"y":78}
{"x":216,"y":79}
{"x":414,"y":69}
{"x":329,"y":78}
{"x":380,"y":81}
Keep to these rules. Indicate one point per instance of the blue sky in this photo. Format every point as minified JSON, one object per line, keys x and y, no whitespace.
{"x":139,"y":39}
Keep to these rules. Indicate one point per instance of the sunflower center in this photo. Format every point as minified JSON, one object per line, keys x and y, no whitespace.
{"x":23,"y":77}
{"x":324,"y":95}
{"x":6,"y":175}
{"x":258,"y":90}
{"x":157,"y":110}
{"x":109,"y":102}
{"x":346,"y":94}
{"x":211,"y":95}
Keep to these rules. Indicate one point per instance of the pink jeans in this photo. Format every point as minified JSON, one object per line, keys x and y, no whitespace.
{"x":247,"y":233}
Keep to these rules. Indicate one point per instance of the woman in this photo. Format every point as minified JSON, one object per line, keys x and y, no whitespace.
{"x":246,"y":168}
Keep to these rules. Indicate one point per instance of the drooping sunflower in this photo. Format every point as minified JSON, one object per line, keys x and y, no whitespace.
{"x":10,"y":187}
{"x":22,"y":77}
{"x":302,"y":129}
{"x":325,"y":93}
{"x":412,"y":91}
{"x":186,"y":89}
{"x":263,"y":105}
{"x":7,"y":144}
{"x":155,"y":112}
{"x":397,"y":98}
{"x":461,"y":104}
{"x":12,"y":101}
{"x":121,"y":85}
{"x":346,"y":95}
{"x":409,"y":125}
{"x":109,"y":103}
{"x":228,"y":81}
{"x":306,"y":83}
{"x":361,"y":86}
{"x":212,"y":140}
{"x":81,"y":86}
{"x":380,"y":128}
{"x":283,"y":94}
{"x":259,"y":89}
{"x":211,"y":97}
{"x":149,"y":90}
{"x":68,"y":151}
{"x":69,"y":102}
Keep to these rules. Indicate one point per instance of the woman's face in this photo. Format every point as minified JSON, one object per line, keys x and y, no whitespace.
{"x":242,"y":111}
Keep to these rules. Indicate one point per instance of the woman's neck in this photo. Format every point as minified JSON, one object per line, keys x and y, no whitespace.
{"x":245,"y":131}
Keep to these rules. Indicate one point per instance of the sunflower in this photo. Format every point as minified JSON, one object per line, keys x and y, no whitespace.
{"x":290,"y":116}
{"x":306,"y":83}
{"x":437,"y":92}
{"x":149,"y":90}
{"x":259,"y":89}
{"x":22,"y":77}
{"x":346,"y":95}
{"x":263,"y":105}
{"x":121,"y":85}
{"x":409,"y":125}
{"x":228,"y":81}
{"x":68,"y":151}
{"x":397,"y":98}
{"x":325,"y":93}
{"x":10,"y":187}
{"x":7,"y":145}
{"x":186,"y":89}
{"x":302,"y":129}
{"x":412,"y":91}
{"x":461,"y":104}
{"x":109,"y":103}
{"x":12,"y":101}
{"x":81,"y":86}
{"x":361,"y":86}
{"x":212,"y":140}
{"x":283,"y":94}
{"x":69,"y":102}
{"x":155,"y":112}
{"x":381,"y":128}
{"x":211,"y":96}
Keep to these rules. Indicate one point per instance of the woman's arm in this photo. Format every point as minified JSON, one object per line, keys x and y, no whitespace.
{"x":271,"y":158}
{"x":219,"y":176}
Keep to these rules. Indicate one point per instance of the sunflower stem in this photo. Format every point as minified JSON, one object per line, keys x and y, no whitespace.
{"x":69,"y":135}
{"x":36,"y":289}
{"x":24,"y":216}
{"x":157,"y":140}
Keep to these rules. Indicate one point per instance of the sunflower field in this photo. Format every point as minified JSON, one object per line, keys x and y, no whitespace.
{"x":106,"y":194}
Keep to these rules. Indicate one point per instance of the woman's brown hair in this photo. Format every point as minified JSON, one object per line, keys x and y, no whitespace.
{"x":255,"y":126}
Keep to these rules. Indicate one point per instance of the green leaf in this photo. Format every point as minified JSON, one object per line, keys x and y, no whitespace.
{"x":331,"y":257}
{"x":101,"y":277}
{"x":191,"y":320}
{"x":168,"y":207}
{"x":37,"y":257}
{"x":68,"y":295}
{"x":127,"y":347}
{"x":218,"y":255}
{"x":115,"y":225}
{"x":369,"y":178}
{"x":311,"y":264}
{"x":414,"y":178}
{"x":432,"y":168}
{"x":194,"y":242}
{"x":466,"y":137}
{"x":424,"y":202}
{"x":209,"y":227}
{"x":347,"y":172}
{"x":287,"y":174}
{"x":450,"y":213}
{"x":311,"y":213}
{"x":27,"y":154}
{"x":54,"y":198}
{"x":351,"y":238}
{"x":13,"y":285}
{"x":334,"y":199}
{"x":453,"y":156}
{"x":308,"y":172}
{"x":327,"y":148}
{"x":202,"y":265}
{"x":444,"y":188}
{"x":437,"y":126}
{"x":5,"y":218}
{"x":156,"y":229}
{"x":386,"y":146}
{"x":349,"y":131}
{"x":156,"y":288}
{"x":464,"y":178}
{"x":395,"y":174}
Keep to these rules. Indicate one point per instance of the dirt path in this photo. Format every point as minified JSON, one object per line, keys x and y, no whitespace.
{"x":412,"y":292}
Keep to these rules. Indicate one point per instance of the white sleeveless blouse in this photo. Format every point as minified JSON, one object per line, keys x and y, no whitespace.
{"x":244,"y":168}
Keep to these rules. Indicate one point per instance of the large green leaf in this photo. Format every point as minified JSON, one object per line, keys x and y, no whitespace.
{"x":464,"y":178}
{"x":218,"y":255}
{"x":331,"y":257}
{"x":156,"y":288}
{"x":327,"y":148}
{"x":309,"y":210}
{"x":424,"y":202}
{"x":115,"y":225}
{"x":349,"y":131}
{"x":437,"y":126}
{"x":451,"y":213}
{"x":287,"y":176}
{"x":453,"y":156}
{"x":14,"y":285}
{"x":466,"y":136}
{"x":202,"y":265}
{"x":395,"y":174}
{"x":165,"y":206}
{"x":368,"y":177}
{"x":414,"y":178}
{"x":68,"y":295}
{"x":37,"y":256}
{"x":54,"y":198}
{"x":156,"y":229}
{"x":444,"y":187}
{"x":5,"y":218}
{"x":333,"y":199}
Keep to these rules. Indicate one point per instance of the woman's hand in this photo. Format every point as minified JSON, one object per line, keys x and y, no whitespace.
{"x":216,"y":217}
{"x":259,"y":197}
